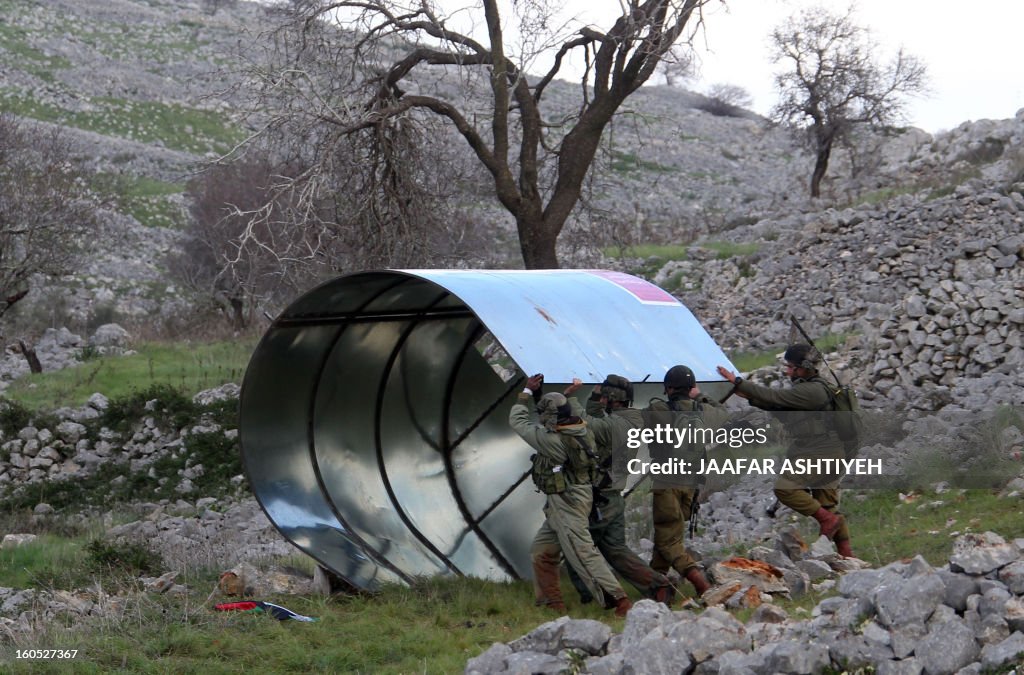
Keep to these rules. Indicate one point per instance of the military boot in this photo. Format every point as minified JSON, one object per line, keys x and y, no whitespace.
{"x":664,"y":595}
{"x":829,"y":522}
{"x":623,"y":605}
{"x":546,"y":581}
{"x":843,"y":548}
{"x":700,"y":584}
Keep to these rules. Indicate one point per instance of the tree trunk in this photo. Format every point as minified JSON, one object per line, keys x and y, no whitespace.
{"x":537,"y":242}
{"x":821,"y":165}
{"x":239,"y":317}
{"x":30,"y":355}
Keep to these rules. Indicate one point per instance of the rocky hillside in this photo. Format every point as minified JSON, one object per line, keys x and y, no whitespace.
{"x":140,"y":85}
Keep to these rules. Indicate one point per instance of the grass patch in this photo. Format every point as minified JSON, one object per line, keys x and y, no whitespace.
{"x":434,"y":627}
{"x":885,"y":528}
{"x":148,"y":200}
{"x":747,"y":361}
{"x":627,"y":162}
{"x":175,"y":126}
{"x":664,"y":252}
{"x":729,"y":249}
{"x":438,"y":624}
{"x":667,"y":252}
{"x":72,"y":563}
{"x":47,"y":562}
{"x":14,"y":41}
{"x":883,"y":195}
{"x":189,"y":368}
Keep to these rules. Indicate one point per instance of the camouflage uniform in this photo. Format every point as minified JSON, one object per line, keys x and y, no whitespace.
{"x":673,"y":497}
{"x":609,"y":530}
{"x":564,"y":531}
{"x":810,"y":437}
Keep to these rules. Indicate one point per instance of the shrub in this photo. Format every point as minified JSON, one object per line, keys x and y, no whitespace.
{"x":13,"y":417}
{"x":172,"y":408}
{"x":131,"y":558}
{"x":725,"y":100}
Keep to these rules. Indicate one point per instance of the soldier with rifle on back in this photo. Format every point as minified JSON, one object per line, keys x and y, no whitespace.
{"x":811,"y":436}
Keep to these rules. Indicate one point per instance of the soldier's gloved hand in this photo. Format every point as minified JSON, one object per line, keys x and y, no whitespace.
{"x":534,"y":383}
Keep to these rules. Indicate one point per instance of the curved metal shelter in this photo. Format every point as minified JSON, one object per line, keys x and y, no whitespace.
{"x":374,"y":411}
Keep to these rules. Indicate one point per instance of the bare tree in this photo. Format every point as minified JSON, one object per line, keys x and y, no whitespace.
{"x":48,"y":218}
{"x":365,"y":68}
{"x":834,"y":81}
{"x":218,"y":200}
{"x":726,"y":100}
{"x":253,"y":240}
{"x":679,"y":65}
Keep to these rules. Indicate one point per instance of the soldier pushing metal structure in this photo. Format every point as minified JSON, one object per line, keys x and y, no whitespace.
{"x":374,"y":427}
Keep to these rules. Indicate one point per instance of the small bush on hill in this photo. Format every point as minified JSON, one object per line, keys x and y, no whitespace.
{"x":130,"y":558}
{"x":171,"y":407}
{"x":13,"y":417}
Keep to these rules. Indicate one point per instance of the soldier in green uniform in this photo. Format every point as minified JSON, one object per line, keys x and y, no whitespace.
{"x":673,"y":496}
{"x":562,"y":470}
{"x":610,"y":417}
{"x":811,"y":437}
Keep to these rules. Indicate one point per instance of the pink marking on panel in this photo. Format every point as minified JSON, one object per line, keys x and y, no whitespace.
{"x":644,"y":291}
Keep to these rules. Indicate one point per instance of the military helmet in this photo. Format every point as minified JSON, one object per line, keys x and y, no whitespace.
{"x":550,"y":403}
{"x":680,"y":377}
{"x":803,"y":356}
{"x":617,"y":388}
{"x":552,"y":407}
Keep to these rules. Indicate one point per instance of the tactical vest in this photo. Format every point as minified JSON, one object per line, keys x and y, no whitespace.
{"x":813,"y":426}
{"x":552,"y":477}
{"x":675,"y":414}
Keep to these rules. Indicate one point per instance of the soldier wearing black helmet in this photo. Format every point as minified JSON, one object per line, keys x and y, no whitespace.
{"x":609,"y":415}
{"x":673,"y":497}
{"x":810,"y":437}
{"x":563,"y":470}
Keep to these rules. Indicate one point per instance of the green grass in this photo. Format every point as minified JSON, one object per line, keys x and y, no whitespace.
{"x":663,"y":252}
{"x":441,"y":623}
{"x":883,"y":195}
{"x":43,"y":563}
{"x":883,"y":528}
{"x":433,"y":628}
{"x":666,"y":252}
{"x":728,"y":249}
{"x":176,"y":126}
{"x":146,"y":199}
{"x":190,"y":368}
{"x":14,"y":41}
{"x":747,"y":361}
{"x":627,"y":162}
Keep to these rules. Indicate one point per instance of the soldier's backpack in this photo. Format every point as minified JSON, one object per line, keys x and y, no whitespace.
{"x":848,"y":421}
